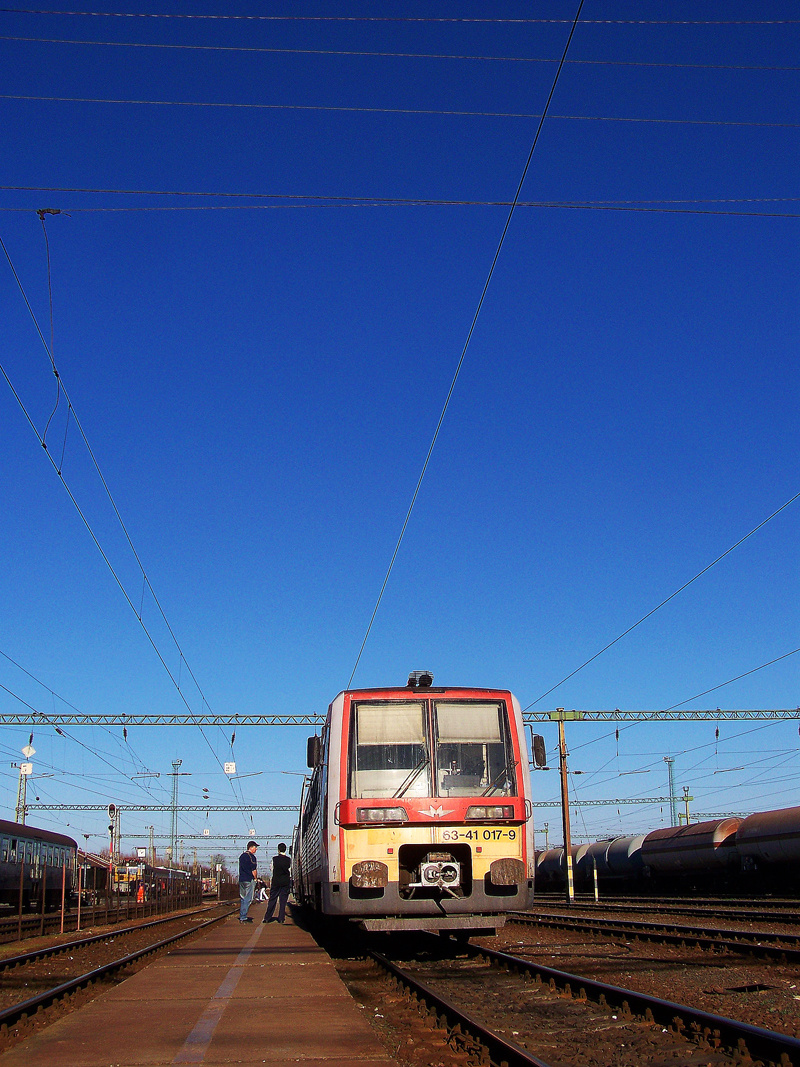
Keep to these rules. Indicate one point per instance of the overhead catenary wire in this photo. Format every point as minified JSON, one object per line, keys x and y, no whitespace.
{"x":342,"y":52}
{"x":56,"y":696}
{"x":353,"y":109}
{"x":466,"y":343}
{"x":666,"y":600}
{"x":392,"y":200}
{"x":397,"y":18}
{"x":738,"y":677}
{"x":92,"y":534}
{"x":317,"y":201}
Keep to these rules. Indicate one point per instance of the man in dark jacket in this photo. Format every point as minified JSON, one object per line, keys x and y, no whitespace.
{"x":279,"y":885}
{"x":247,"y":880}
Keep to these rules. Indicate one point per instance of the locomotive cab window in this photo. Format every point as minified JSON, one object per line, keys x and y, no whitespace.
{"x":474,"y":756}
{"x":389,"y":755}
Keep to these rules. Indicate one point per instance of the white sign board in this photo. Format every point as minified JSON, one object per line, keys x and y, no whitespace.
{"x":26,"y":768}
{"x":28,"y":751}
{"x":230,"y":768}
{"x":141,"y":853}
{"x":206,"y":833}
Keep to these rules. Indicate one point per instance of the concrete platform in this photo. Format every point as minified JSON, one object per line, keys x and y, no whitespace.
{"x":240,"y":994}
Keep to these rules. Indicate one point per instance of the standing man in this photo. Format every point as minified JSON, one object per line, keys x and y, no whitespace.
{"x":247,"y":880}
{"x":279,"y":884}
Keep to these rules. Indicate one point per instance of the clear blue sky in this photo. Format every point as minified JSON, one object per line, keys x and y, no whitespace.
{"x":259,"y":374}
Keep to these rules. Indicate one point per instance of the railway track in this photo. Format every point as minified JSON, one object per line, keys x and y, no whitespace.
{"x":15,"y":928}
{"x":785,"y":912}
{"x":49,"y":951}
{"x":566,"y":1018}
{"x":17,"y":1014}
{"x":765,"y":944}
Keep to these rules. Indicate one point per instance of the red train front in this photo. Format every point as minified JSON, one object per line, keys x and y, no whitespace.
{"x":417,"y":815}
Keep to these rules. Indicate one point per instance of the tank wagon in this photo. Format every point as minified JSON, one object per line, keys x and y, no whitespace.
{"x":769,"y":838}
{"x":701,"y":846}
{"x":417,"y":814}
{"x":760,"y":853}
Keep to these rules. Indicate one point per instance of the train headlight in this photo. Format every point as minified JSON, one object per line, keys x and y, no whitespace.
{"x":490,"y":811}
{"x":381,"y":815}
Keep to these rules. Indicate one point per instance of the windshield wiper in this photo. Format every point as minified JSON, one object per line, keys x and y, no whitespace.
{"x":411,"y":777}
{"x":508,"y":769}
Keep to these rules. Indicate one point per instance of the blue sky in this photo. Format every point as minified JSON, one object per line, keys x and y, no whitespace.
{"x":260,"y":375}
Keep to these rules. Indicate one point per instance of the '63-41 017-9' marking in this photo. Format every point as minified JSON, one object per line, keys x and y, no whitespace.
{"x":479,"y":835}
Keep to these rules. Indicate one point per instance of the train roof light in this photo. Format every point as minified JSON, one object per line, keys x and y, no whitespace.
{"x":421,"y":679}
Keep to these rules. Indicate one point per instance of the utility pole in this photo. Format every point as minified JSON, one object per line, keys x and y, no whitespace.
{"x":673,"y":800}
{"x":562,"y":760}
{"x":151,"y":847}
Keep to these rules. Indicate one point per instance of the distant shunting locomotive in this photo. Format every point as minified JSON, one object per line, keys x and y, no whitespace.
{"x":417,"y":814}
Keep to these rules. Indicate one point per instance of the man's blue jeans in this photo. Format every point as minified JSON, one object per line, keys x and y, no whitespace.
{"x":245,"y":897}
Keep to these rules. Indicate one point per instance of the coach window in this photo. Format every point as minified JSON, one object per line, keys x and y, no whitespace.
{"x":474,"y":756}
{"x":389,"y":752}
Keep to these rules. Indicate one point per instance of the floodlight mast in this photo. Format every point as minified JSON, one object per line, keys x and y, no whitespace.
{"x":175,"y":774}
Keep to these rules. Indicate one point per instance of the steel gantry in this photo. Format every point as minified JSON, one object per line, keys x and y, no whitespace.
{"x":72,"y":718}
{"x":248,"y":809}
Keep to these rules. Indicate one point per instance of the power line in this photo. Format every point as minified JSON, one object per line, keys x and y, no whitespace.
{"x":57,"y":468}
{"x":467,"y":342}
{"x":737,"y":678}
{"x":394,"y":111}
{"x":394,"y":200}
{"x":646,"y":206}
{"x":396,"y":55}
{"x":399,"y":19}
{"x":652,"y":611}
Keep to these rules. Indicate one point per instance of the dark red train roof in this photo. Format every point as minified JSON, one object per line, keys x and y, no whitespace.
{"x":33,"y":833}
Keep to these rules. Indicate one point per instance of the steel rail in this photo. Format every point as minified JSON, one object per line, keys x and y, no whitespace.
{"x":741,"y":1038}
{"x":781,"y":947}
{"x":500,"y":1050}
{"x":7,"y":962}
{"x":21,"y":1011}
{"x":742,"y":914}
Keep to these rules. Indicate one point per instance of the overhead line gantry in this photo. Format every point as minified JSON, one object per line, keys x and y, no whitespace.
{"x":72,"y":718}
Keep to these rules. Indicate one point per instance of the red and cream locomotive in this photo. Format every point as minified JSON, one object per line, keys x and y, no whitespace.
{"x":417,"y":814}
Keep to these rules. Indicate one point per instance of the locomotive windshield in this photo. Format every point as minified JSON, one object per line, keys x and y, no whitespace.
{"x":474,"y":756}
{"x":390,"y":753}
